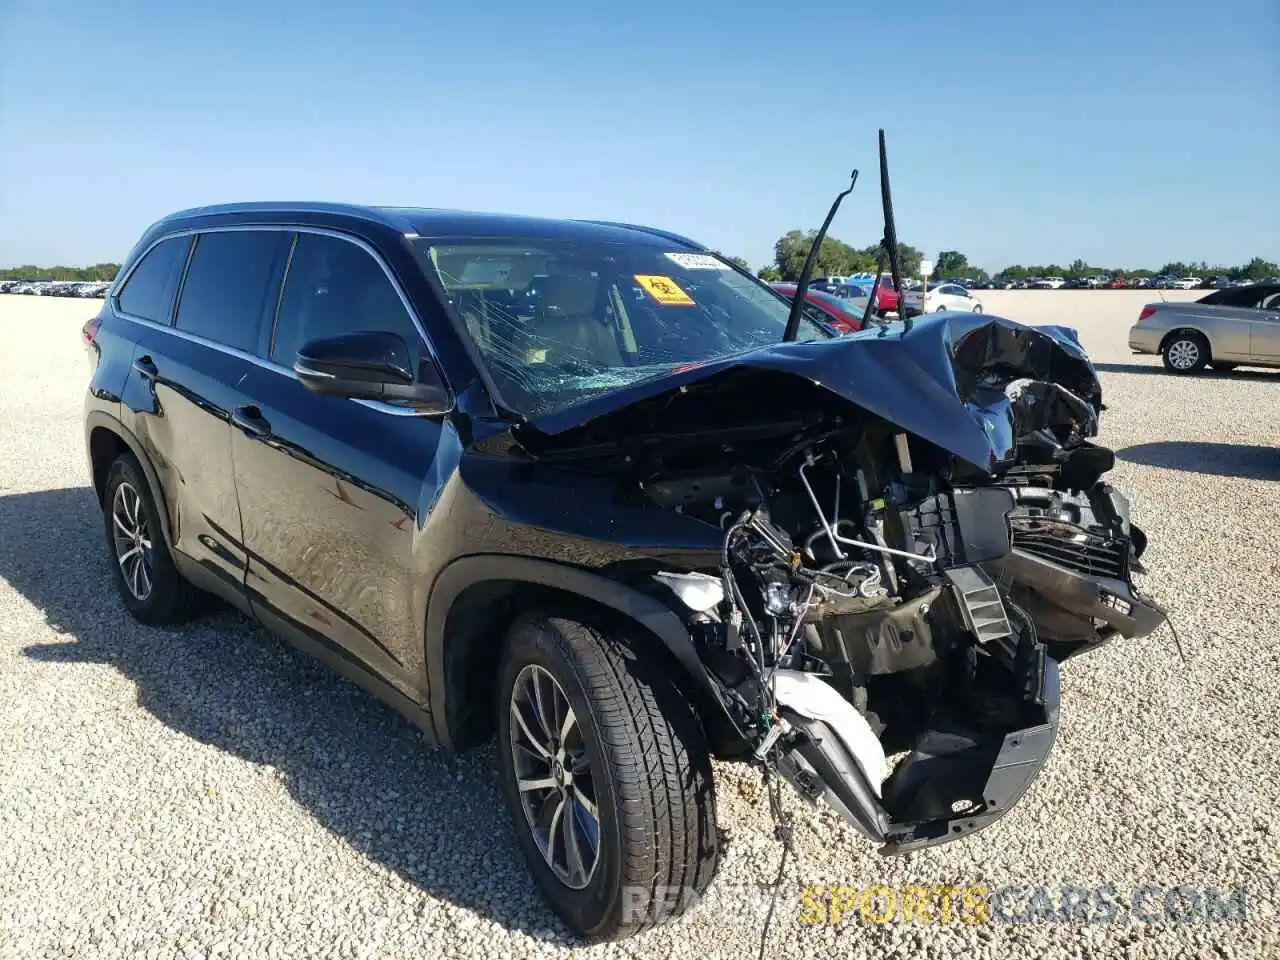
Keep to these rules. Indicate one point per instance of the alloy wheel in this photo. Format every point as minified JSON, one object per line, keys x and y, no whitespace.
{"x":1184,"y":354}
{"x":132,"y":540}
{"x":554,"y":779}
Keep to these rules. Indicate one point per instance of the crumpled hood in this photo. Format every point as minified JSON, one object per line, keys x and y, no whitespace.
{"x":969,"y":383}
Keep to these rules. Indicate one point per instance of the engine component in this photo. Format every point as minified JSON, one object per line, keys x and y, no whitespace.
{"x":699,"y":592}
{"x":980,"y":603}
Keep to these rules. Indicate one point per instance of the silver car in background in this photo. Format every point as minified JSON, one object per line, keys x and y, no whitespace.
{"x":1227,"y":328}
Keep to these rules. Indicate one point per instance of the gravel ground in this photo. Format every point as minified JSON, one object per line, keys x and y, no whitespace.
{"x":209,"y":792}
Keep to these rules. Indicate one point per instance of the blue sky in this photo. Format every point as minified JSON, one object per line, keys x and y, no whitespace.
{"x":1128,"y":134}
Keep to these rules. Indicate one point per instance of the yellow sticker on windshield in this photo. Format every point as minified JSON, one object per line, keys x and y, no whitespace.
{"x":665,"y":290}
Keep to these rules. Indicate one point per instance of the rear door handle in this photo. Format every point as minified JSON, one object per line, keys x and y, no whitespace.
{"x":249,"y":419}
{"x":145,"y":367}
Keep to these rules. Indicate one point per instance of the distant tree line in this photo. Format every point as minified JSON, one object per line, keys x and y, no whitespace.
{"x":99,"y":271}
{"x":837,"y":258}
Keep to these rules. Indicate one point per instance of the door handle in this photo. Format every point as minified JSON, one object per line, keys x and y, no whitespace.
{"x":145,"y":368}
{"x":249,"y":419}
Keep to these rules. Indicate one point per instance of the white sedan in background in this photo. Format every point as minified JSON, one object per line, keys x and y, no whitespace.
{"x":947,"y":296}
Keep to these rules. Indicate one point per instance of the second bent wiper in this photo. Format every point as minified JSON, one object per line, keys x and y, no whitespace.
{"x":802,"y":284}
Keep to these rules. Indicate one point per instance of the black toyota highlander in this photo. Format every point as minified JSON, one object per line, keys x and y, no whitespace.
{"x":591,"y":489}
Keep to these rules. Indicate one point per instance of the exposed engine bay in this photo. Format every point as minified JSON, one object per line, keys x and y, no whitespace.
{"x":901,"y":566}
{"x":900,"y":593}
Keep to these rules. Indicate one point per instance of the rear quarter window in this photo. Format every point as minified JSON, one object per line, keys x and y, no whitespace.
{"x":232,"y":284}
{"x":149,"y":291}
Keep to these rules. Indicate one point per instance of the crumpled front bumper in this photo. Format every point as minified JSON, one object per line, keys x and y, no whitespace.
{"x":953,"y":783}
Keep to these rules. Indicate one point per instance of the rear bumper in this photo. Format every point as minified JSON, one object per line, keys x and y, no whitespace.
{"x":1143,"y":340}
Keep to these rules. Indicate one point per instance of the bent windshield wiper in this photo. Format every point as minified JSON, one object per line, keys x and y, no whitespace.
{"x":797,"y":302}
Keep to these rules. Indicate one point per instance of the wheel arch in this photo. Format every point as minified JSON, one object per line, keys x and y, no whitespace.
{"x":475,"y":600}
{"x":106,"y":439}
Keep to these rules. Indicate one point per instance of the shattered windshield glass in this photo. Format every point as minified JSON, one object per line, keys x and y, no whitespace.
{"x":558,"y":321}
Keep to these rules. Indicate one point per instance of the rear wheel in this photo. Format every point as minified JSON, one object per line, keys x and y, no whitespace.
{"x":149,"y":583}
{"x":607,"y":776}
{"x":1186,"y":352}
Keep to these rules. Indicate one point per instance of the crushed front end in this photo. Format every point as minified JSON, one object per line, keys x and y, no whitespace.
{"x":913,"y":532}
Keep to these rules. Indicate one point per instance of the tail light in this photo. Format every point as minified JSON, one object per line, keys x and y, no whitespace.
{"x":90,"y":330}
{"x":1146,"y":312}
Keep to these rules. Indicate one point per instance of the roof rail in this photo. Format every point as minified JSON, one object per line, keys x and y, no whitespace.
{"x":691,"y":244}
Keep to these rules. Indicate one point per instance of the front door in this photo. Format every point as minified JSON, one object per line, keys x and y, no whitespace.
{"x":331,"y":490}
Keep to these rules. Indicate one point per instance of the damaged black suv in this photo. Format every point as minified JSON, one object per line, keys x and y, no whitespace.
{"x":568,"y":484}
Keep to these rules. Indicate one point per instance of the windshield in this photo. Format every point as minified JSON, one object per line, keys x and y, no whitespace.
{"x":557,"y":321}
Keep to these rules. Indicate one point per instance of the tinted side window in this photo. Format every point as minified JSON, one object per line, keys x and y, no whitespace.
{"x":1231,"y":298}
{"x":232,"y":285}
{"x":148,"y":293}
{"x":335,"y":287}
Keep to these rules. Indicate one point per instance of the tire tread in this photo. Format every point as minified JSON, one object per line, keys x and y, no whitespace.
{"x":659,"y":764}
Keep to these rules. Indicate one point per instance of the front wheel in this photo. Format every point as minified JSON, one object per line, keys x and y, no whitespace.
{"x":606,"y":774}
{"x":977,"y":308}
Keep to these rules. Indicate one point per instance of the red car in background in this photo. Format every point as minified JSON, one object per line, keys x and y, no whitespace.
{"x":843,"y":314}
{"x":886,"y":296}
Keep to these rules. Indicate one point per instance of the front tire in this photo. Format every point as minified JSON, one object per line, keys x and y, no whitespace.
{"x":606,"y":774}
{"x":149,"y":583}
{"x":1185,"y":353}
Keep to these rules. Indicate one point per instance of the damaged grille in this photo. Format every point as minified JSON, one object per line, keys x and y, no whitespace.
{"x":1071,"y":546}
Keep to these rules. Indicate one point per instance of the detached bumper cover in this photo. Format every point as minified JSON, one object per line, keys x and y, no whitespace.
{"x":954,"y":782}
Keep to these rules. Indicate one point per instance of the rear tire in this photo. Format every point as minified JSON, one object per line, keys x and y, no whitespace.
{"x":1186,"y":352}
{"x":634,"y":750}
{"x":149,"y":583}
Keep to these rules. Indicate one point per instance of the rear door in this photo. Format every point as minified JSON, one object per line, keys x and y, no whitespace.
{"x":1228,"y":317}
{"x":186,"y":388}
{"x":1264,"y":333}
{"x":331,"y":490}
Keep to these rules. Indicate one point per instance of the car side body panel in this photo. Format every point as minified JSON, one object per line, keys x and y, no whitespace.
{"x":332,"y":499}
{"x":364,"y":525}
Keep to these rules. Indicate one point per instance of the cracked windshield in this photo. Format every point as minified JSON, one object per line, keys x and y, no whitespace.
{"x":559,"y":321}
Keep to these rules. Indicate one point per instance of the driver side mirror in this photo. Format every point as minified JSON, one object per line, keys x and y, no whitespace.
{"x":371,"y":365}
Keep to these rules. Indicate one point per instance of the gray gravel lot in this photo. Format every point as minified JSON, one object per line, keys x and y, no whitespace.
{"x":209,"y":792}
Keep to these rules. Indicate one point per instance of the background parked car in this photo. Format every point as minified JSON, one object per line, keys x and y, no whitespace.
{"x":886,"y":296}
{"x":844,"y":316}
{"x":1184,"y":283}
{"x":948,"y":296}
{"x":1222,"y":330}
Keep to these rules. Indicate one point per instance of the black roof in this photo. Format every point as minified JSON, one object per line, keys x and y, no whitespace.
{"x":431,"y":222}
